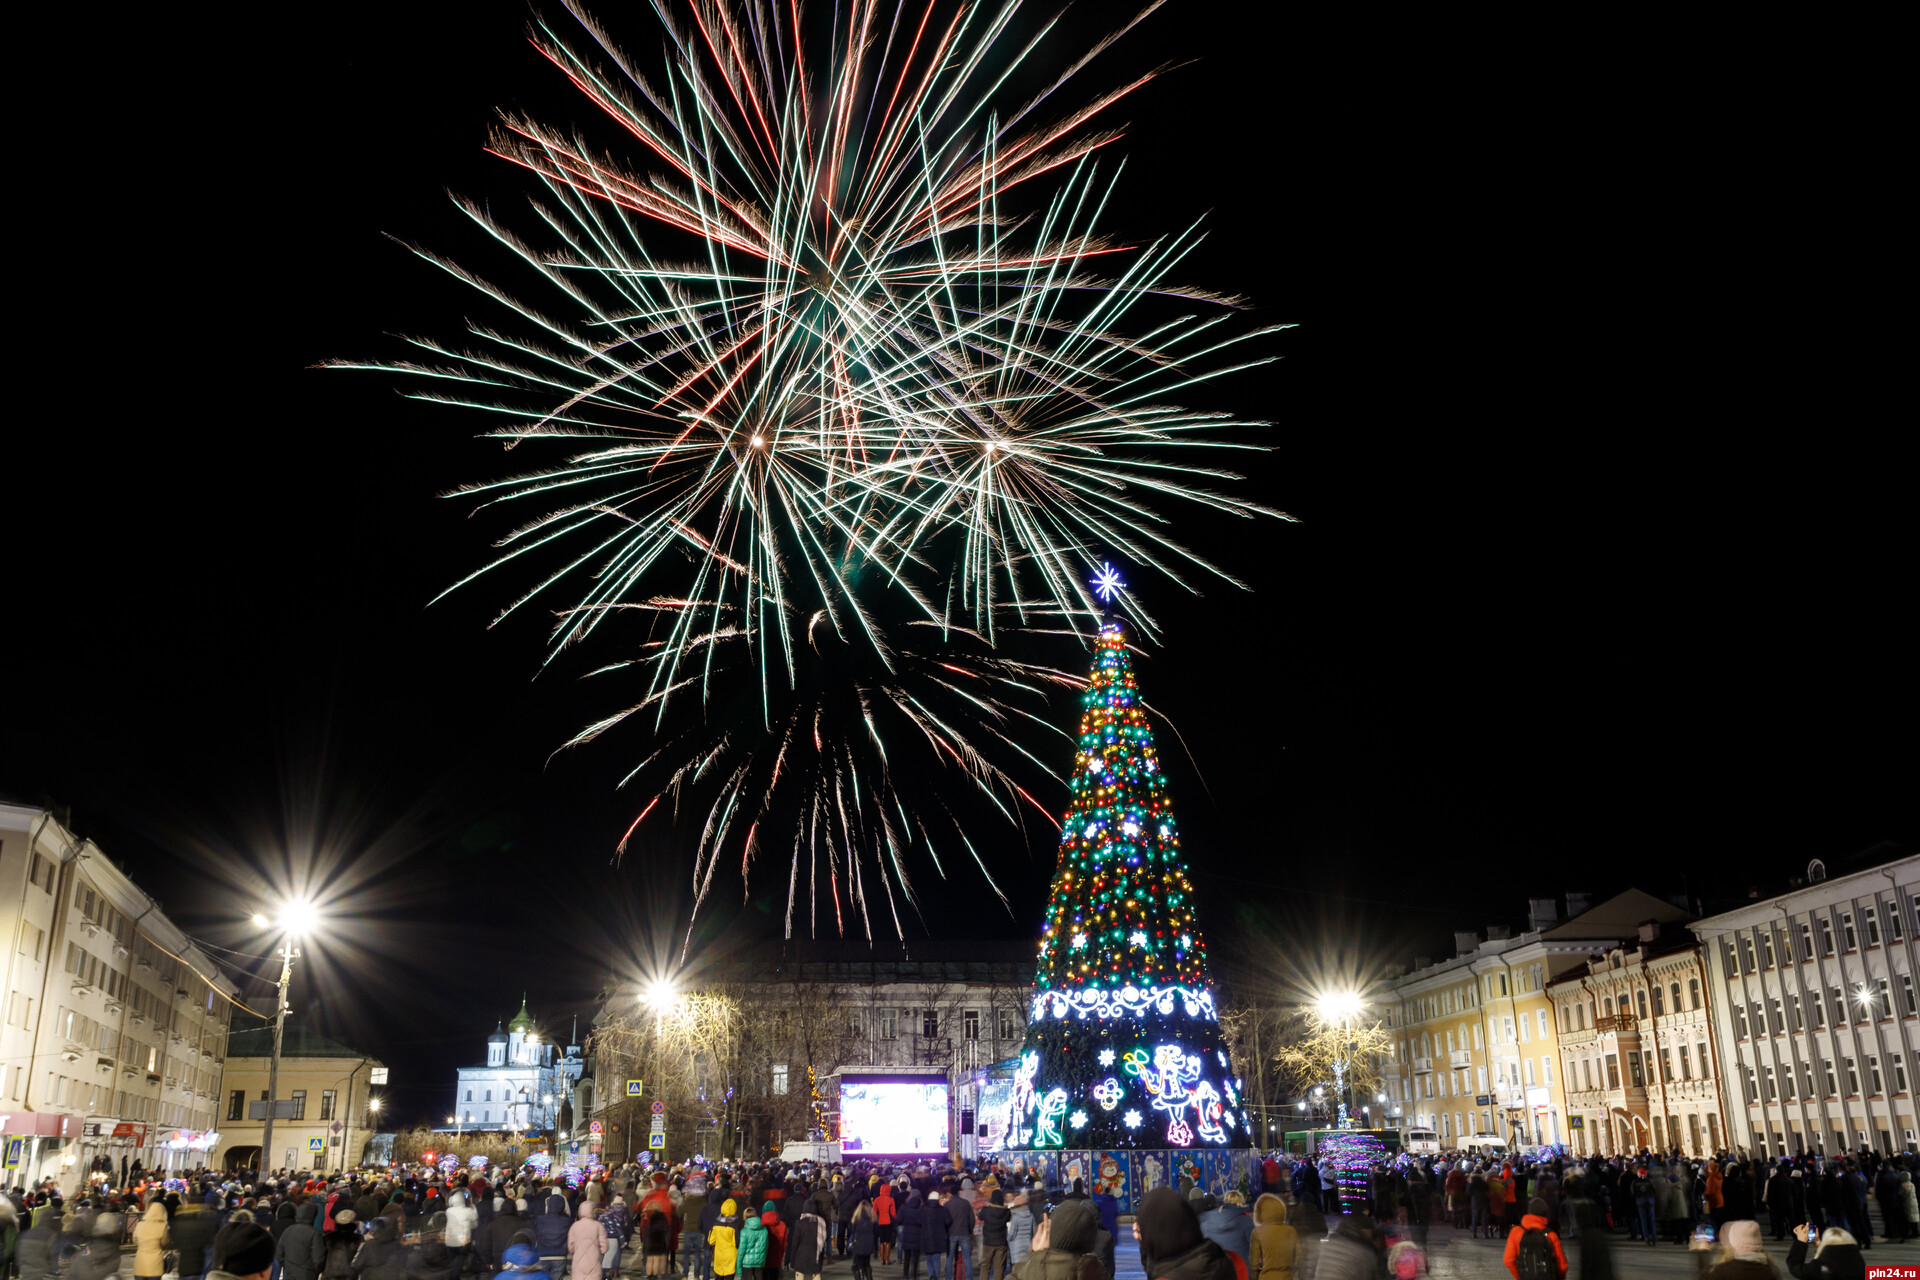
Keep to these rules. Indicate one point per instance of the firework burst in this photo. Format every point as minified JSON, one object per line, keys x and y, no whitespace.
{"x":898,"y":379}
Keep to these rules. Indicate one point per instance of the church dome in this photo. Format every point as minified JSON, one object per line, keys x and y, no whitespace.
{"x":522,"y":1021}
{"x":499,"y":1035}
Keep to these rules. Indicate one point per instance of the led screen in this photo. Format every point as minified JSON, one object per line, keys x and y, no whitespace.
{"x":893,"y":1117}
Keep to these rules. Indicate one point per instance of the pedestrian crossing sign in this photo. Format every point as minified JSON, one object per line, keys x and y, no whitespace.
{"x":316,"y":1144}
{"x":634,"y":1088}
{"x":657,"y":1141}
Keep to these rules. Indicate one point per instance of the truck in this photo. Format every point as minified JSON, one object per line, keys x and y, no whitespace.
{"x":814,"y":1152}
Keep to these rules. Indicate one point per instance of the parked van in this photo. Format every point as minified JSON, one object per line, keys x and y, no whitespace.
{"x":817,"y":1152}
{"x":1420,"y":1142}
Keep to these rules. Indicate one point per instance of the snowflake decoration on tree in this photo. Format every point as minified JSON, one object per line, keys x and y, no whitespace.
{"x":1106,"y":583}
{"x":1133,"y":1119}
{"x":1106,"y":1057}
{"x":1138,"y":938}
{"x":1078,"y":1119}
{"x":1079,"y":942}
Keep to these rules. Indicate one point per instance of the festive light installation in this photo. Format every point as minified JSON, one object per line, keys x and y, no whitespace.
{"x":1124,"y":1029}
{"x":1352,"y":1155}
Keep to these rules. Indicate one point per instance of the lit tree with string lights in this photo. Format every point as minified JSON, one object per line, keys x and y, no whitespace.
{"x":1124,"y":1047}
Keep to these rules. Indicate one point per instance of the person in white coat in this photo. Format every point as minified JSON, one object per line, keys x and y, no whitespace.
{"x":462,"y":1218}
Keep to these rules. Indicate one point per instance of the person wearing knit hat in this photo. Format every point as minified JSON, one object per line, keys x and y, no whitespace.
{"x":1747,"y":1259}
{"x":249,"y":1254}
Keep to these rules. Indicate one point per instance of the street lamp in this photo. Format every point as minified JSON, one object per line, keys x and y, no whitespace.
{"x":1342,"y":1007}
{"x":298,"y":918}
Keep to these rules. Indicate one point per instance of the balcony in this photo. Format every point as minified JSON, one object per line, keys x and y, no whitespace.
{"x":1616,"y":1022}
{"x":1458,"y":1058}
{"x":1423,"y":1066}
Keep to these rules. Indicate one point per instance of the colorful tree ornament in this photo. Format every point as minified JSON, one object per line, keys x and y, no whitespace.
{"x":1122,"y":972}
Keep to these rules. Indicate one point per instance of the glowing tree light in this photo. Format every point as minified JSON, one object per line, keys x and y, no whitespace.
{"x":1122,"y":976}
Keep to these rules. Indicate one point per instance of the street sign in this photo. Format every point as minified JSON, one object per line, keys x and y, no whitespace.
{"x":282,"y":1110}
{"x":336,"y":1126}
{"x":634,"y":1089}
{"x":658,"y":1107}
{"x":593,"y":1126}
{"x":316,"y":1144}
{"x":659,"y":1125}
{"x":656,"y":1141}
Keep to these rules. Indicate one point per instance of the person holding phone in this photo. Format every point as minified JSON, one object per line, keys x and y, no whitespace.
{"x":1837,"y":1256}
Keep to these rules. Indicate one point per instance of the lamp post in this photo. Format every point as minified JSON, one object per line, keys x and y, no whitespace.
{"x":661,"y":995}
{"x":297,"y":919}
{"x":1342,"y":1007}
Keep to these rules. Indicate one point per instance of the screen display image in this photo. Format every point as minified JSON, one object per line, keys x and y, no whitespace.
{"x":996,"y":1109}
{"x":893,"y":1117}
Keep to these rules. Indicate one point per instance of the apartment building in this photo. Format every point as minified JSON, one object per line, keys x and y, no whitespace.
{"x":1637,"y":1050}
{"x":115,"y":1024}
{"x":1476,"y":1049}
{"x":1815,"y":1012}
{"x":325,"y":1085}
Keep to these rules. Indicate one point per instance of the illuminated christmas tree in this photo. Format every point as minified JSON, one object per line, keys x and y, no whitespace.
{"x":1123,"y":1044}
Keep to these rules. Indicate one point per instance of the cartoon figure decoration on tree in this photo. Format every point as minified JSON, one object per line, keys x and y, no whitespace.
{"x":1123,"y":1046}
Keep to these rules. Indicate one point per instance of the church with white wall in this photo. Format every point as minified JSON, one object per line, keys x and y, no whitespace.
{"x":524,"y":1083}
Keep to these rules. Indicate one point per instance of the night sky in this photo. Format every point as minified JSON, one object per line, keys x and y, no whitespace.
{"x":1584,"y":593}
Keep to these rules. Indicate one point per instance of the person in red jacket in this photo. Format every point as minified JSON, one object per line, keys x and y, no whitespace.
{"x":662,"y":1200}
{"x":886,"y":1215}
{"x":1533,"y":1248}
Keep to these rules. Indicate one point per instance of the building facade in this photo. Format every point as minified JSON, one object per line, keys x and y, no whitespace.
{"x":525,"y":1084}
{"x":806,"y":1011}
{"x":1816,"y":1014}
{"x":328,"y":1085}
{"x":1637,"y":1048}
{"x":115,"y":1030}
{"x":1476,"y":1045}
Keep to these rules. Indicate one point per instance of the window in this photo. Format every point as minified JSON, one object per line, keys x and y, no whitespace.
{"x":1786,"y":1081}
{"x":1546,"y":1070}
{"x":1540,"y":1022}
{"x":1793,"y":1012}
{"x":1704,"y":1060}
{"x":326,"y":1104}
{"x":1751,"y":1094}
{"x":1906,"y":992}
{"x":1477,"y":1037}
{"x":779,"y":1078}
{"x":1740,"y":1022}
{"x":1693,"y":993}
{"x":1899,"y":1072}
{"x":930,"y":1023}
{"x":1641,"y":998}
{"x":1853,"y":1077}
{"x":1523,"y":1029}
{"x":1816,"y":1012}
{"x":1838,"y":1007}
{"x":1885,"y":993}
{"x":1766,"y":949}
{"x":1833,"y":1083}
{"x":1872,"y":921}
{"x":299,"y":1104}
{"x":1746,"y":955}
{"x":42,"y":873}
{"x":1826,"y":936}
{"x":469,"y":1095}
{"x":1873,"y":1074}
{"x":970,"y":1024}
{"x":1658,"y":1007}
{"x":1613,"y":1071}
{"x":889,"y":1024}
{"x":1633,"y":1071}
{"x":1666,"y":1063}
{"x":1733,"y":964}
{"x":1895,"y":929}
{"x":236,"y":1104}
{"x":1776,"y":1021}
{"x":1772,"y":1093}
{"x":1806,"y":941}
{"x":1846,"y":930}
{"x":489,"y":1097}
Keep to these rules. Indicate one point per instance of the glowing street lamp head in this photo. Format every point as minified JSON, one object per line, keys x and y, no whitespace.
{"x":1342,"y":1004}
{"x":298,"y":917}
{"x":660,"y":994}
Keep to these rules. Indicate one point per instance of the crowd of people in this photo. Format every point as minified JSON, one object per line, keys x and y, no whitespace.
{"x":1307,"y":1220}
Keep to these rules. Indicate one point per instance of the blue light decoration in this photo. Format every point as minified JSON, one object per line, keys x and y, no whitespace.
{"x":1352,"y":1155}
{"x":1123,"y":1028}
